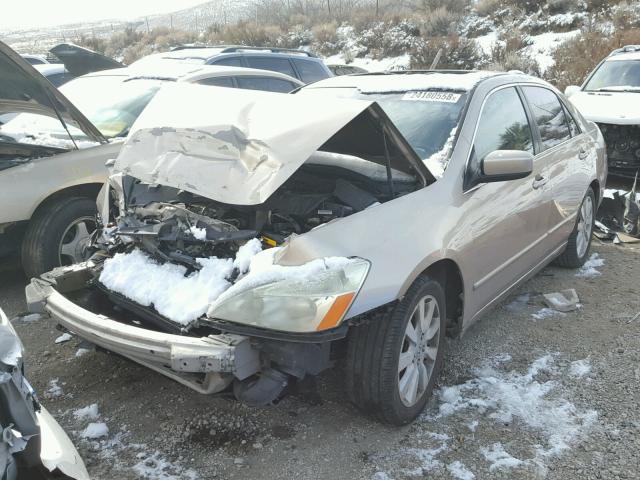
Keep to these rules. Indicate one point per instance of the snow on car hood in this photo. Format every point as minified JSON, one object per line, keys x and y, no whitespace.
{"x":238,"y":146}
{"x":621,"y":108}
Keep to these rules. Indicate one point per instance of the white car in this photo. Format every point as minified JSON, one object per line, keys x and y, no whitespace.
{"x":52,"y":156}
{"x":610,"y":97}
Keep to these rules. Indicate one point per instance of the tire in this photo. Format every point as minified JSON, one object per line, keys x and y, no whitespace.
{"x":373,"y":355}
{"x":58,"y":222}
{"x":579,"y":244}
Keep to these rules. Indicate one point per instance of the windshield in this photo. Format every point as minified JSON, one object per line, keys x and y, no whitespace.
{"x":616,"y":75}
{"x":111,"y":103}
{"x":427,"y":119}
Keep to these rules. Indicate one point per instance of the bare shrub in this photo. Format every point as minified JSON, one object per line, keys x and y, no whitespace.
{"x":439,"y":22}
{"x":486,"y":8}
{"x":457,"y":53}
{"x":455,"y":6}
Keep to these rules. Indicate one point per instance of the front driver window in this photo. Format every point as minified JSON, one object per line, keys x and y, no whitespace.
{"x":503,"y":125}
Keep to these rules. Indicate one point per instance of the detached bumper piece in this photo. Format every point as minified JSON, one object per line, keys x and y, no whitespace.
{"x":623,"y":148}
{"x":205,"y":364}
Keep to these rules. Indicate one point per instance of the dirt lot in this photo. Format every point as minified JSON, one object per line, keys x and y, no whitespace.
{"x":520,"y":397}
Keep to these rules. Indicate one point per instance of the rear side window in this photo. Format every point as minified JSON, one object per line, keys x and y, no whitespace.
{"x":228,"y":61}
{"x":549,"y":116}
{"x":217,"y":82}
{"x":503,"y":125}
{"x":573,"y":126}
{"x":267,"y":84}
{"x":310,"y":71}
{"x":275,"y":64}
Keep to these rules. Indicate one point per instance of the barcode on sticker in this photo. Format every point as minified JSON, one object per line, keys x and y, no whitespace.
{"x":432,"y":96}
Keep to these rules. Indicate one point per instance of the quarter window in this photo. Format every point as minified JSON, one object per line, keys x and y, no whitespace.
{"x":274,"y":64}
{"x":217,"y":82}
{"x":573,"y":126}
{"x":267,"y":84}
{"x":310,"y":71}
{"x":549,"y":116}
{"x":228,"y":61}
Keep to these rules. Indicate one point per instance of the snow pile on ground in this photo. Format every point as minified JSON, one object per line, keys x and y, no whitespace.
{"x":89,"y":412}
{"x":498,"y":458}
{"x":32,"y":317}
{"x":546,"y":313}
{"x":54,"y":389}
{"x":459,"y":471}
{"x":580,"y":368}
{"x":95,"y":430}
{"x":156,"y":467}
{"x":65,"y":337}
{"x":531,"y":402}
{"x":82,"y":351}
{"x":518,"y":304}
{"x":588,"y":270}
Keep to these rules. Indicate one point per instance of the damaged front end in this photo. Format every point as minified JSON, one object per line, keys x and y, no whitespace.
{"x":186,"y":279}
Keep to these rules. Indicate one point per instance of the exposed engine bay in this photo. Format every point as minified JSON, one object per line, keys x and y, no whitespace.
{"x":178,"y":226}
{"x":623,"y":148}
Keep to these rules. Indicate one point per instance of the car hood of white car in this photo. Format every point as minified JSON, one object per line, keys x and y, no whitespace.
{"x":238,"y":146}
{"x":619,"y":108}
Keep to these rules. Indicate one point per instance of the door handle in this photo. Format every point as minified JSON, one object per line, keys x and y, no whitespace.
{"x":539,"y":181}
{"x":583,"y":153}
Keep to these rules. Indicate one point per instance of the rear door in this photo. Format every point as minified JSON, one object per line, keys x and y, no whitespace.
{"x":564,"y":149}
{"x":507,"y":221}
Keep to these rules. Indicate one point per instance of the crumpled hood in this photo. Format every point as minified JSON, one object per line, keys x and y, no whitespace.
{"x":237,"y":146}
{"x":620,"y":108}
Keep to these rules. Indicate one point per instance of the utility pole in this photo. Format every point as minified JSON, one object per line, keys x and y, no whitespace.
{"x":377,"y":7}
{"x":146,"y":19}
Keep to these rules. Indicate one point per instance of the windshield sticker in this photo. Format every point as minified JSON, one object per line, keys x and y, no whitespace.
{"x":447,"y":97}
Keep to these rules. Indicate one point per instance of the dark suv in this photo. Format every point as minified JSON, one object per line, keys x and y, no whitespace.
{"x":299,"y":64}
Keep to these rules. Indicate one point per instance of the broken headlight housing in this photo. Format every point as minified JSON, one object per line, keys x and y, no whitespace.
{"x":299,"y":303}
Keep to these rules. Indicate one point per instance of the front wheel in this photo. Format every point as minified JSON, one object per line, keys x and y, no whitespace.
{"x":579,"y":243}
{"x":58,"y":235}
{"x":393,"y":361}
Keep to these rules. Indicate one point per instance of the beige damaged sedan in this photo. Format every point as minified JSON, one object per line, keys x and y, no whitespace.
{"x":251,"y":239}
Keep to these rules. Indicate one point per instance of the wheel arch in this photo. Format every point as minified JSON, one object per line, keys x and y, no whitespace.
{"x":448,"y":273}
{"x":595,"y":186}
{"x":89,"y":190}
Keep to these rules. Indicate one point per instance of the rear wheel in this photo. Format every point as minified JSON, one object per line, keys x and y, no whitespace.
{"x":58,"y":235}
{"x":394,"y":361}
{"x":577,"y":250}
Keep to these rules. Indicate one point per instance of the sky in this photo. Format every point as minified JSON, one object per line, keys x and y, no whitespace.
{"x":47,"y":13}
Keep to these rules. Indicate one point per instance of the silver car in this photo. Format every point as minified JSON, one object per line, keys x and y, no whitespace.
{"x":54,"y":145}
{"x":254,"y":243}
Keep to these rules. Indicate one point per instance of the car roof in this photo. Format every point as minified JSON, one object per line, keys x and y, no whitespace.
{"x":199,"y":55}
{"x":186,"y":72}
{"x":623,"y":56}
{"x":47,"y":69}
{"x":407,"y":80}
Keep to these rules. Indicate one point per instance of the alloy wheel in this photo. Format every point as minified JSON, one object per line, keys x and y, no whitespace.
{"x":75,"y":239}
{"x":419,"y":350}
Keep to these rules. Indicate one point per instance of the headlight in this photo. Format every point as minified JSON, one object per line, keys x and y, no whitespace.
{"x":305,"y":298}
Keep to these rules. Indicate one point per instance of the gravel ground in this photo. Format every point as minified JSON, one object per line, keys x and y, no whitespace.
{"x":554,"y":397}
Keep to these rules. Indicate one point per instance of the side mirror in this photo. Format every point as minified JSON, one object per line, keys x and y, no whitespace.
{"x":570,"y":90}
{"x":501,"y":165}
